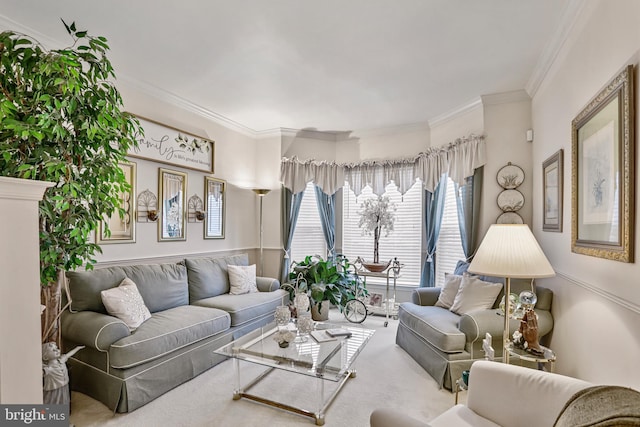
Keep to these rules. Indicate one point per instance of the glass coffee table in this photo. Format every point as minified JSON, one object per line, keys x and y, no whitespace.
{"x":331,"y":360}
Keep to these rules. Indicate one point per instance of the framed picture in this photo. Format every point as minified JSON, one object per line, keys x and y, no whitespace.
{"x":215,"y":191}
{"x":552,"y":190}
{"x":172,"y":146}
{"x":602,"y":173}
{"x":375,"y":299}
{"x":121,"y":228}
{"x":172,"y":189}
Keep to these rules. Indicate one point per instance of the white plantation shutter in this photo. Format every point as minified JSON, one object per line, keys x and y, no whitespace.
{"x":449,"y":246}
{"x":308,"y":238}
{"x":404,"y":242}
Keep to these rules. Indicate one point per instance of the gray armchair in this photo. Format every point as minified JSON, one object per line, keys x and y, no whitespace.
{"x":445,"y":343}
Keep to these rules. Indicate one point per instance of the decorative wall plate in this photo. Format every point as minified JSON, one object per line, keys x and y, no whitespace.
{"x":510,"y":200}
{"x":510,"y":176}
{"x":509,"y":218}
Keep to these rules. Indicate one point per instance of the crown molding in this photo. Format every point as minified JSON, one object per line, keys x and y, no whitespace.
{"x":46,"y":41}
{"x":146,"y":88}
{"x":569,"y":18}
{"x":505,"y":97}
{"x":455,"y":113}
{"x":177,"y":101}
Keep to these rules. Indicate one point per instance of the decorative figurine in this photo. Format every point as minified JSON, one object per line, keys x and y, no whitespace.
{"x":55,"y":374}
{"x":529,"y":331}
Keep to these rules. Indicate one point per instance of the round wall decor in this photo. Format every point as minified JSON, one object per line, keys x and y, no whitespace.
{"x":510,"y":176}
{"x":509,"y":218}
{"x":510,"y":200}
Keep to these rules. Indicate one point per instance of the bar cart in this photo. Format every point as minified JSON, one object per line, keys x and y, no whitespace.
{"x":388,"y":306}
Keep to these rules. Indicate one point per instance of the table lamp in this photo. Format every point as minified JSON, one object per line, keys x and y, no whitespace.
{"x":510,"y":251}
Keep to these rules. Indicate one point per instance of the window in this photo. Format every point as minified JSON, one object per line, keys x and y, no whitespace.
{"x":449,"y":246}
{"x":308,"y":238}
{"x":405,"y":242}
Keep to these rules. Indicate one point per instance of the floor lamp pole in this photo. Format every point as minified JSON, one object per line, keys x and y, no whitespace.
{"x":261,"y":192}
{"x":507,"y":310}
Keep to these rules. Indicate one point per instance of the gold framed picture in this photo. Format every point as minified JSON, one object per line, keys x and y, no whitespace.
{"x":215,"y":192}
{"x":172,"y":191}
{"x":552,"y":189}
{"x":602,"y":173}
{"x":120,"y":227}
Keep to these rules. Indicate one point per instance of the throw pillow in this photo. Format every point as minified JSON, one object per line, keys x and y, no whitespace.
{"x":475,"y":294}
{"x":126,"y":303}
{"x":242,"y":279}
{"x":449,"y":290}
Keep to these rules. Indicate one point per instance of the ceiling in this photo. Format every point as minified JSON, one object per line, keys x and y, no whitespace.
{"x":329,"y":65}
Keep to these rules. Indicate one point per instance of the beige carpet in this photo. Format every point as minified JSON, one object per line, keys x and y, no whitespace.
{"x":386,"y":377}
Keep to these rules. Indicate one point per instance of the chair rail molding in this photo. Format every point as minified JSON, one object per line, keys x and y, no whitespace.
{"x":600,"y":292}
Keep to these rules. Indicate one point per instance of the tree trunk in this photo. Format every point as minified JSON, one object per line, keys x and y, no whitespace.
{"x":376,"y":239}
{"x":51,"y":298}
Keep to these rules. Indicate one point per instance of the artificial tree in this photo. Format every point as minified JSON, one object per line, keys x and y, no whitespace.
{"x":377,"y":215}
{"x":61,"y":120}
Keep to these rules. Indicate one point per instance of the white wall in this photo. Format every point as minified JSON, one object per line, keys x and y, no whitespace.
{"x":239,"y":159}
{"x":506,"y":119}
{"x":597,"y":302}
{"x":381,"y":144}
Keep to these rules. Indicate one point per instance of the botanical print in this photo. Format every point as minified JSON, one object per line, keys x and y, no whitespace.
{"x":551,"y":213}
{"x":598,"y":179}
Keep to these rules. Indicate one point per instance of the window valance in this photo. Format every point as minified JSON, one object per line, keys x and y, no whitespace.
{"x":458,"y":159}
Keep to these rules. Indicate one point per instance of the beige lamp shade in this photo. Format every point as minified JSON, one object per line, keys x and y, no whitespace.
{"x":510,"y":250}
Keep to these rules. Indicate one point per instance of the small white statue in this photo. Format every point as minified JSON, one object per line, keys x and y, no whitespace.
{"x":55,"y":374}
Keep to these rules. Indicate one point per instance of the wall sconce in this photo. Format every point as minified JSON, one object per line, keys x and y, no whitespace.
{"x":195,"y":209}
{"x":147,"y":206}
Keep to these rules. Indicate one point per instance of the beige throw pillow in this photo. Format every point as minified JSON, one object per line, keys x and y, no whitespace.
{"x":242,"y":279}
{"x":126,"y":303}
{"x":449,"y":290}
{"x":475,"y":294}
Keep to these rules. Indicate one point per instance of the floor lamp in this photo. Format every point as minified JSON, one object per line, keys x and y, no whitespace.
{"x":510,"y":251}
{"x":261,"y":192}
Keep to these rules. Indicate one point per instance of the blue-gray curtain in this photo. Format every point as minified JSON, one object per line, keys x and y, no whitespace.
{"x":290,"y":210}
{"x":327,"y":210}
{"x":433,"y":209}
{"x":468,"y":203}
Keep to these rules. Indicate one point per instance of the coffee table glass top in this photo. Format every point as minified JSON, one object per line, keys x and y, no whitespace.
{"x":329,"y":360}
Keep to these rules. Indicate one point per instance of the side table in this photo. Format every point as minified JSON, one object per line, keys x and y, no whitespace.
{"x":547,"y":358}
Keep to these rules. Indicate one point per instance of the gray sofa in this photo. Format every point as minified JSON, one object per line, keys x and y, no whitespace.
{"x":192,"y":315}
{"x":445,"y":344}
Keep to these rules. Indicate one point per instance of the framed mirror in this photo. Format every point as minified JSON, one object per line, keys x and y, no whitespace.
{"x":172,"y":190}
{"x":121,"y":228}
{"x":215,"y":190}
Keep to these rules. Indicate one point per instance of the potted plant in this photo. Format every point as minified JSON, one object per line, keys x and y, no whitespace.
{"x":61,"y":120}
{"x":377,"y":216}
{"x":325,"y":282}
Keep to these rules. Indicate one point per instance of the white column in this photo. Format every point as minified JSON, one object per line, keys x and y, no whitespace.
{"x":20,"y":342}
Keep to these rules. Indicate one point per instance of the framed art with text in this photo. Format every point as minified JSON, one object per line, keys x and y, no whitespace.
{"x":172,"y":146}
{"x":602,"y":173}
{"x":552,"y":186}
